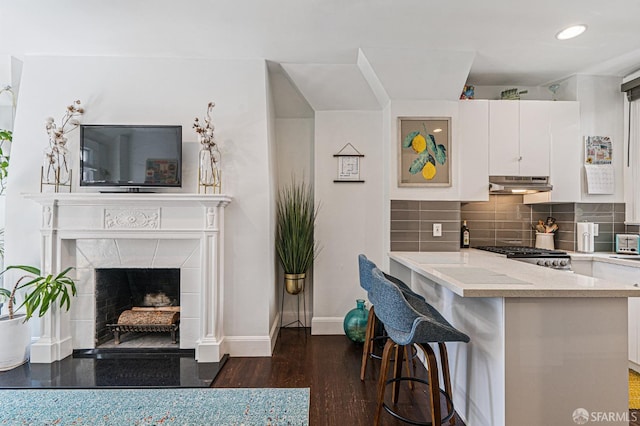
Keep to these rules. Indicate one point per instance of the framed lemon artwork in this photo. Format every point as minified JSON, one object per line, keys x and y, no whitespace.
{"x":424,"y":152}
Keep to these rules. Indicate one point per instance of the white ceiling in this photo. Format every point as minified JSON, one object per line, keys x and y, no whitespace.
{"x":499,"y":42}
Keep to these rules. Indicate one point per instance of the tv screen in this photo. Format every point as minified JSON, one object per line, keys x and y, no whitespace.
{"x":130,"y":156}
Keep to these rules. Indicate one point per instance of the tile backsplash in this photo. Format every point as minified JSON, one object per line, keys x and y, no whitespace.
{"x":412,"y":225}
{"x":503,"y":220}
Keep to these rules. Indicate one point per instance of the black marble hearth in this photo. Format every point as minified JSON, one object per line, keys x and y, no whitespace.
{"x":95,"y":368}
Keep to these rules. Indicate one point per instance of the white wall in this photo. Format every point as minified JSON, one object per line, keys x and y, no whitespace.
{"x":163,"y":91}
{"x":351,"y":216}
{"x":602,"y":114}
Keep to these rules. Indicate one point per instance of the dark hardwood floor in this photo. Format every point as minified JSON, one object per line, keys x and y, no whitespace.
{"x":330,"y":367}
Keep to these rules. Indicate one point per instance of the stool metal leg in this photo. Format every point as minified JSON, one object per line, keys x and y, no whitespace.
{"x":368,"y":342}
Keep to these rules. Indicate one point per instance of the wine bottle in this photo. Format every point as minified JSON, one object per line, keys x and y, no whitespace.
{"x":465,"y":235}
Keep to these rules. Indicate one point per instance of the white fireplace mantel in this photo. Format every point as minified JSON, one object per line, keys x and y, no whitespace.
{"x":131,"y":220}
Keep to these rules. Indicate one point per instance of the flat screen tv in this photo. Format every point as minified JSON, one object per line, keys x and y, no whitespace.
{"x":130,"y":156}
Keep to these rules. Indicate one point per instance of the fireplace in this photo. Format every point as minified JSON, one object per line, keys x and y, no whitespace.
{"x":122,"y":289}
{"x":95,"y":232}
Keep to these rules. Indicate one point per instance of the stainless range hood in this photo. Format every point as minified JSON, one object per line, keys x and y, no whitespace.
{"x":518,"y":184}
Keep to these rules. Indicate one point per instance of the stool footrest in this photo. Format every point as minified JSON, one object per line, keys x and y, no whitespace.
{"x":412,"y":421}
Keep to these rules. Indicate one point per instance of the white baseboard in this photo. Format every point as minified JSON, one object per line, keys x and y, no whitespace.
{"x":248,"y":345}
{"x":273,"y":334}
{"x":327,"y":325}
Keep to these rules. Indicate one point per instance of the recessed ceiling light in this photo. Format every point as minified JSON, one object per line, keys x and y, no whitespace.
{"x":571,"y":32}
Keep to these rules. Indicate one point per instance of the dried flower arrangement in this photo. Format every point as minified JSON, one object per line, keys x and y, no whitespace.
{"x":57,"y":134}
{"x":56,"y":166}
{"x":205,"y":132}
{"x":209,"y":173}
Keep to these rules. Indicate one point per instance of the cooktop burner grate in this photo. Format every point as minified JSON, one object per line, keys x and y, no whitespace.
{"x":523,"y":251}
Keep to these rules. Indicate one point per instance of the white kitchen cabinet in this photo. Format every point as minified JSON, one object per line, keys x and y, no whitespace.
{"x":473,"y":138}
{"x":519,"y":138}
{"x":565,"y":172}
{"x":627,"y":275}
{"x":504,"y":138}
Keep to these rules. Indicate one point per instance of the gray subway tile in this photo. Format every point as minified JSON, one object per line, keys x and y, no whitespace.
{"x":440,"y":246}
{"x":565,"y":245}
{"x":475,"y":242}
{"x":483,"y":233}
{"x":405,"y":205}
{"x":439,"y":215}
{"x":632,"y":229}
{"x":405,"y":246}
{"x":440,"y":205}
{"x":482,"y":206}
{"x":405,"y":215}
{"x":618,"y":228}
{"x":405,"y":236}
{"x":562,"y":208}
{"x":476,"y":216}
{"x":594,"y":207}
{"x":405,"y":225}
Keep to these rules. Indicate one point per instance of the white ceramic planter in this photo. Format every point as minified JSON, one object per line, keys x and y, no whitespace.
{"x":15,"y":337}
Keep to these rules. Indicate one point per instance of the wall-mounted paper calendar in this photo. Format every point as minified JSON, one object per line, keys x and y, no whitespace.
{"x":600,"y":178}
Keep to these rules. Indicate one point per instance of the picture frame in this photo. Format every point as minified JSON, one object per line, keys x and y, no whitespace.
{"x":424,"y":151}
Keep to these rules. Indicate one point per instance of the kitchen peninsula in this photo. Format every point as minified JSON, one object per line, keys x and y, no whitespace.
{"x":544,"y":342}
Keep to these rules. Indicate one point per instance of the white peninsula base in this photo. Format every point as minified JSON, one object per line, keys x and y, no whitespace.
{"x":533,"y":360}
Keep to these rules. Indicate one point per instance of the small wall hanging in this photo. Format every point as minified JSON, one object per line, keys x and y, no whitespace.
{"x":349,"y":164}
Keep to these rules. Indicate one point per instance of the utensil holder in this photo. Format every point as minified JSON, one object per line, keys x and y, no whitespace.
{"x":544,"y":240}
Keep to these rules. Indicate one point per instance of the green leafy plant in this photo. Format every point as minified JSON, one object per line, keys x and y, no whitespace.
{"x":5,"y":136}
{"x":296,"y":216}
{"x":44,"y":291}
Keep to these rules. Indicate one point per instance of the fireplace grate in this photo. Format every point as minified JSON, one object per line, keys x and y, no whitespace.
{"x":145,"y":320}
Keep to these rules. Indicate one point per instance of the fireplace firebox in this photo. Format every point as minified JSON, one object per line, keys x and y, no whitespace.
{"x":120,"y":290}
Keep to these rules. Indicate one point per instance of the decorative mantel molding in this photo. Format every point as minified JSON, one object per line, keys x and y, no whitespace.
{"x":168,"y":217}
{"x":136,"y":198}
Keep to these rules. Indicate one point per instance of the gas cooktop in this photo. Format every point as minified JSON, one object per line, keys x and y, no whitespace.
{"x":523,"y":251}
{"x":555,"y":259}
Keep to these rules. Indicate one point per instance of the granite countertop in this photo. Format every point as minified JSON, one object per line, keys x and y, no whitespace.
{"x":476,"y":273}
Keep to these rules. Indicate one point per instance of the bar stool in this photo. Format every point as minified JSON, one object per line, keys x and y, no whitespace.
{"x":407,"y":326}
{"x":366,"y":267}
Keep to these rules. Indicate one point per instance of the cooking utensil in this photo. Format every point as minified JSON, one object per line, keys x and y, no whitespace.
{"x":550,"y":225}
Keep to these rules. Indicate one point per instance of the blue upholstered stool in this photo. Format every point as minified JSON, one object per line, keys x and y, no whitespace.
{"x":366,"y":267}
{"x":406,"y":325}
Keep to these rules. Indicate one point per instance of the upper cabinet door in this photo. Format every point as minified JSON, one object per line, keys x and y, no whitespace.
{"x":535,"y":138}
{"x":504,"y":135}
{"x":473,"y":137}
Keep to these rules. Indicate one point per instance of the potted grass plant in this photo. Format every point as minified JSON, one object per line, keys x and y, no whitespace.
{"x":295,"y":244}
{"x":42,"y":291}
